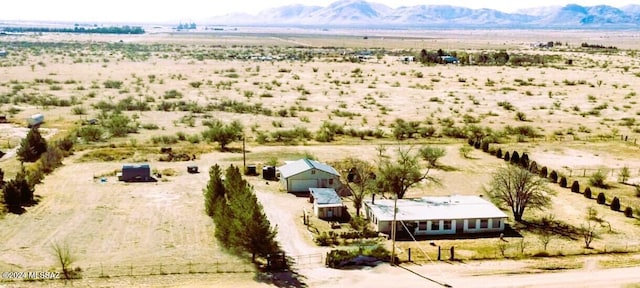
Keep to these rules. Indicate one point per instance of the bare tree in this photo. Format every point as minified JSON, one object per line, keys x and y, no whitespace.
{"x":358,"y":175}
{"x":62,"y":252}
{"x":588,"y":229}
{"x":546,"y":234}
{"x":402,"y":173}
{"x":624,"y":174}
{"x":519,"y":189}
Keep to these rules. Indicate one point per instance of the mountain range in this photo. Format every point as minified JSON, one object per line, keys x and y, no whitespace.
{"x":359,"y":13}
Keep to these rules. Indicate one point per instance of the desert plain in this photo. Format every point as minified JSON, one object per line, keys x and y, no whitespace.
{"x":578,"y":109}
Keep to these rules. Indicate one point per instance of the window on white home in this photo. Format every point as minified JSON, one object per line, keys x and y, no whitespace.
{"x":313,"y":171}
{"x":331,"y":181}
{"x":484,"y":223}
{"x":422,"y":226}
{"x":496,"y":223}
{"x":435,"y":225}
{"x":447,"y":224}
{"x":471,"y":224}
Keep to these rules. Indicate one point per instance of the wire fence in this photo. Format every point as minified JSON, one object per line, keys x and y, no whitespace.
{"x":108,"y":270}
{"x":571,"y":138}
{"x":608,"y":172}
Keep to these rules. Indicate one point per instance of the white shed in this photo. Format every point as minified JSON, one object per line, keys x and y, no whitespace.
{"x":326,"y":203}
{"x":300,"y":175}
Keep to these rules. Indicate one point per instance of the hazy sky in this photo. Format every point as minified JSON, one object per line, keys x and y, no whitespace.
{"x":194,"y":10}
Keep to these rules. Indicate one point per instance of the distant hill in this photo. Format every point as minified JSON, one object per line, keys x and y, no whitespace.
{"x":359,"y":13}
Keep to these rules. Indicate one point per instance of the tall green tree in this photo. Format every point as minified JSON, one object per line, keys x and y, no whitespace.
{"x":32,"y":146}
{"x":214,"y":190}
{"x":241,"y":224}
{"x":398,"y":175}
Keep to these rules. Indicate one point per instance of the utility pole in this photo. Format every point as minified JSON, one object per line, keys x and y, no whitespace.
{"x":393,"y":230}
{"x":244,"y":156}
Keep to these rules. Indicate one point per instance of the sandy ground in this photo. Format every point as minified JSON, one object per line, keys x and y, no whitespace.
{"x":112,"y":223}
{"x":163,"y":223}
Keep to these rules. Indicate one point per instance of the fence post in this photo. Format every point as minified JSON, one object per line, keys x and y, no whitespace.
{"x":190,"y":270}
{"x":130,"y":269}
{"x":101,"y":270}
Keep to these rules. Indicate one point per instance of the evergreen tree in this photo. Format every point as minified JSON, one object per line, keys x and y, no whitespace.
{"x":214,"y":191}
{"x":515,"y":158}
{"x":524,"y":161}
{"x":17,"y":193}
{"x":241,"y":224}
{"x":32,"y":146}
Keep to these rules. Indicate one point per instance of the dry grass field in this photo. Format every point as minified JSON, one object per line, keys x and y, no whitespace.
{"x":274,"y":80}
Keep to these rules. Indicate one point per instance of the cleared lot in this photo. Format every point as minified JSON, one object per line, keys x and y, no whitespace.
{"x":112,"y":223}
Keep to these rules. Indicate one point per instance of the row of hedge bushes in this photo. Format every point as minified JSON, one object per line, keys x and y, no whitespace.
{"x":523,"y":161}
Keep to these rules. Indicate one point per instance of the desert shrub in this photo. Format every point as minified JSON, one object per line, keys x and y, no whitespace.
{"x":533,"y":167}
{"x":597,"y":179}
{"x":181,"y":136}
{"x":563,"y":182}
{"x":615,"y":204}
{"x":515,"y":158}
{"x":506,"y":156}
{"x":575,"y":187}
{"x":628,"y":212}
{"x":90,"y":133}
{"x":454,"y":132}
{"x":78,"y":110}
{"x":476,"y":145}
{"x":521,"y":116}
{"x":194,"y":139}
{"x":172,"y":94}
{"x":471,"y":142}
{"x":601,"y":198}
{"x":164,"y":139}
{"x":499,"y":153}
{"x":543,"y":172}
{"x":327,"y":239}
{"x":112,"y":84}
{"x":587,"y":193}
{"x":485,"y":146}
{"x":150,"y":126}
{"x":553,"y":176}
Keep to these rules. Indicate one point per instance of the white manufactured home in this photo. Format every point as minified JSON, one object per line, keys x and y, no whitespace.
{"x":436,"y":215}
{"x":300,"y":175}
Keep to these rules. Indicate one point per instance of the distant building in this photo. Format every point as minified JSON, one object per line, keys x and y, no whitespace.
{"x":3,"y":53}
{"x":436,"y":215}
